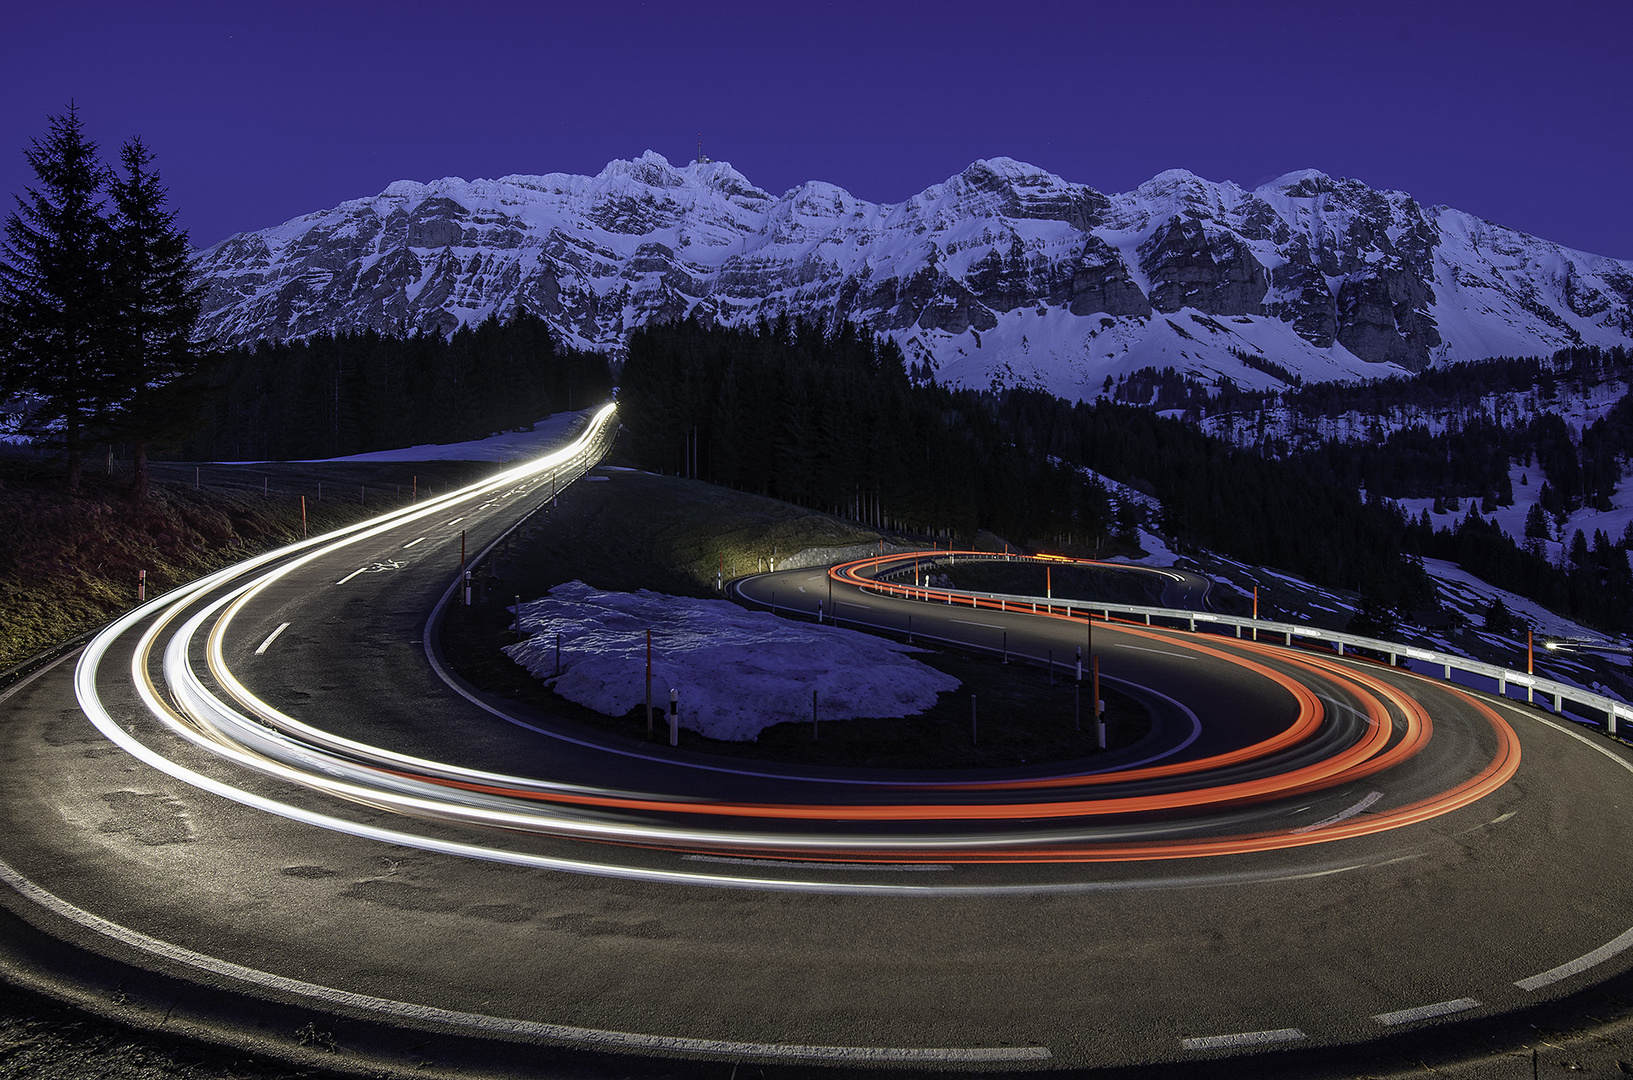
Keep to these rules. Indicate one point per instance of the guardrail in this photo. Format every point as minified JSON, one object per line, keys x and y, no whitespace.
{"x":1599,"y":709}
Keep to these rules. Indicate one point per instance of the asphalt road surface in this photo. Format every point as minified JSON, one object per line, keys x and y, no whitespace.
{"x":286,"y":804}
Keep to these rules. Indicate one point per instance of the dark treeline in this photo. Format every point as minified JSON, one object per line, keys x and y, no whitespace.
{"x":1579,"y":368}
{"x":352,"y":393}
{"x":833,"y":421}
{"x":1473,"y":457}
{"x":1594,"y":585}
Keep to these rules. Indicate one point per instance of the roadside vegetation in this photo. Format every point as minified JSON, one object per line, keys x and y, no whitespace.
{"x":70,"y":563}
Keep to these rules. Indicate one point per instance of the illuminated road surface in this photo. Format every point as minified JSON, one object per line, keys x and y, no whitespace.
{"x":1305,"y":850}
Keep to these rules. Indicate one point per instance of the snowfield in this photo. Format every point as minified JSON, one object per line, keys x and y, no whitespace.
{"x":737,"y":671}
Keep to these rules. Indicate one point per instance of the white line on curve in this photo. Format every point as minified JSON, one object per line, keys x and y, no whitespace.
{"x":351,"y":575}
{"x":966,"y":622}
{"x":1244,"y":1038}
{"x":411,"y":543}
{"x":907,"y":868}
{"x":1342,"y":815}
{"x":1159,"y":652}
{"x":270,"y":638}
{"x":1580,"y":964}
{"x":1623,"y":941}
{"x":457,"y":520}
{"x":1427,"y":1012}
{"x":498,"y":1025}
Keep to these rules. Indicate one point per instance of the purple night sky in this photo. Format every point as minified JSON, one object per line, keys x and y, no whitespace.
{"x":1517,"y":112}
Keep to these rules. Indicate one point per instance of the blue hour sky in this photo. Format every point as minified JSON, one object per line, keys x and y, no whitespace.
{"x":1517,"y":112}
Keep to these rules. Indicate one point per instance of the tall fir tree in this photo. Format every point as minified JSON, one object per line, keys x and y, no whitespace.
{"x":54,"y":296}
{"x":156,"y":303}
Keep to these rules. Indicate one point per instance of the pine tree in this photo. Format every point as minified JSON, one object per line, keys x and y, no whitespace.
{"x":54,"y":295}
{"x":157,"y":302}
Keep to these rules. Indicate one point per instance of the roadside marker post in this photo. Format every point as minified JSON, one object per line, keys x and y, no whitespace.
{"x":303,"y":517}
{"x":468,"y":593}
{"x":1006,"y":646}
{"x":1099,"y":706}
{"x":518,"y":616}
{"x":141,"y":586}
{"x":674,"y":717}
{"x":1077,"y":694}
{"x":649,"y":683}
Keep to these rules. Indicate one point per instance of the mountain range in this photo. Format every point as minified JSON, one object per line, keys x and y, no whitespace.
{"x":1003,"y":275}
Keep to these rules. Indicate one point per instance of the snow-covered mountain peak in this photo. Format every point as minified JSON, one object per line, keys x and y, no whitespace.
{"x":1002,"y":274}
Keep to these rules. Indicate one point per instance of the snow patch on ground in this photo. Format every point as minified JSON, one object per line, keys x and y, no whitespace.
{"x":1156,"y":550}
{"x":737,"y":671}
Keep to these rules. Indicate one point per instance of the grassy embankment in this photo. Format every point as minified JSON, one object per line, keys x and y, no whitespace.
{"x":69,"y":563}
{"x":636,"y":530}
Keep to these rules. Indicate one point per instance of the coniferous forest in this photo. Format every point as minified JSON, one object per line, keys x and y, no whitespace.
{"x":328,"y":396}
{"x":837,"y":423}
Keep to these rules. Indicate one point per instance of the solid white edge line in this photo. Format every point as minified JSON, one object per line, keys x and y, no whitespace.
{"x":497,"y":1025}
{"x":1611,"y":948}
{"x":270,"y":638}
{"x":907,"y":868}
{"x":1244,"y":1038}
{"x":351,"y":575}
{"x":1426,"y":1012}
{"x":1579,"y":965}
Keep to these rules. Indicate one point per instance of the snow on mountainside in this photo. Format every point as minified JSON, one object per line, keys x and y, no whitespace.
{"x":1001,"y":275}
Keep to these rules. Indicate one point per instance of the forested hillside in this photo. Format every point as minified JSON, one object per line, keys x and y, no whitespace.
{"x":835,"y":422}
{"x":328,"y":396}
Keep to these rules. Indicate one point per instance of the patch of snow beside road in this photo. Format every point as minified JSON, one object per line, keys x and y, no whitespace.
{"x":737,"y":671}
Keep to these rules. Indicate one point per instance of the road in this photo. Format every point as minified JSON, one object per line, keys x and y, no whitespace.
{"x":307,"y":819}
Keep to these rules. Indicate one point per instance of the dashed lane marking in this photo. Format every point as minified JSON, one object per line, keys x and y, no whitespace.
{"x":351,"y":575}
{"x":1244,"y":1038}
{"x":411,"y":543}
{"x":270,"y":638}
{"x":1426,"y":1012}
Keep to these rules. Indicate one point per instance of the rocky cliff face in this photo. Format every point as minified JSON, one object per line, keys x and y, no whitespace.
{"x":1002,"y":275}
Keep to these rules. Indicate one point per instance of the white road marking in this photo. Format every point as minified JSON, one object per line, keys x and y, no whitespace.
{"x":1427,"y":1012}
{"x":351,"y":575}
{"x":1368,"y":800}
{"x":1579,"y":965}
{"x":908,"y":868}
{"x":1159,"y":652}
{"x":1245,"y":1038}
{"x":411,"y":543}
{"x":500,"y":1025}
{"x":456,"y":520}
{"x":270,"y":638}
{"x":966,"y":622}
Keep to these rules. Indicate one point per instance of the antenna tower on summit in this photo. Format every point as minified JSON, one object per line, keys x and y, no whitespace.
{"x":701,"y":160}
